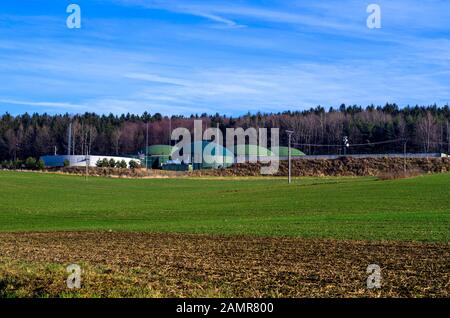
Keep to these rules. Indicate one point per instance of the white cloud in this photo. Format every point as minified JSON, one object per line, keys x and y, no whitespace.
{"x":296,"y":86}
{"x":63,"y":105}
{"x":156,"y":79}
{"x":184,"y":7}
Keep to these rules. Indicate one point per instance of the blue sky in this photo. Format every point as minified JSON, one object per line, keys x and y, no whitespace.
{"x":226,"y":56}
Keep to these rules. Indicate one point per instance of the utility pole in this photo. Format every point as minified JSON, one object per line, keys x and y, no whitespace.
{"x":69,"y":144}
{"x":88,"y":158}
{"x":146,"y":149}
{"x":82,"y":138}
{"x":289,"y":132}
{"x":404,"y":155}
{"x":87,"y":166}
{"x":73,"y":140}
{"x":89,"y":141}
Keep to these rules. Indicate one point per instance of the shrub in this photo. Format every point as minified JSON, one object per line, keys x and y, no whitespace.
{"x":122,"y":164}
{"x":66,"y":163}
{"x":30,"y":163}
{"x":40,"y":164}
{"x":112,"y":163}
{"x":105,"y":163}
{"x":134,"y":164}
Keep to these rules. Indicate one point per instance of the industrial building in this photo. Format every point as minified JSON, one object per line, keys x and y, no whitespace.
{"x":224,"y":158}
{"x":283,"y":152}
{"x":80,"y":160}
{"x":73,"y":160}
{"x":162,"y":156}
{"x":157,"y":155}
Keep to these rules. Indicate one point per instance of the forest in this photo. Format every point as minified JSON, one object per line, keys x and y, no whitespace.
{"x":316,"y":131}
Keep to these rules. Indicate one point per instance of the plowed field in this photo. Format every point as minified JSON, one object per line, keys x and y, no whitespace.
{"x":171,"y":265}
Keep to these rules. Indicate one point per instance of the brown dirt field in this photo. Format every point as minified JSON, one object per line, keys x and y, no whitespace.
{"x":171,"y":265}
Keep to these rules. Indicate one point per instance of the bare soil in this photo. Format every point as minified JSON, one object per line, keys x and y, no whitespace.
{"x":170,"y":265}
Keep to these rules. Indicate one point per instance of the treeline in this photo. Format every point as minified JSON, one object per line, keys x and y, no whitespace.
{"x":317,"y":131}
{"x":29,"y":164}
{"x":121,"y":164}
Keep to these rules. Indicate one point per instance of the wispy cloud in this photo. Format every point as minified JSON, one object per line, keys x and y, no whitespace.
{"x":215,"y":18}
{"x":61,"y":105}
{"x":183,"y":7}
{"x":296,"y":86}
{"x":156,"y":79}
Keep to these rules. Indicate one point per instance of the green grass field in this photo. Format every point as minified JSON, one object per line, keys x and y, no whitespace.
{"x":416,"y":209}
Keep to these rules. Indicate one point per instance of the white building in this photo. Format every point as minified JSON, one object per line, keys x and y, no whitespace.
{"x":82,"y":160}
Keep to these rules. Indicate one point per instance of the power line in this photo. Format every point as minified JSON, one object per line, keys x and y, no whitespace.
{"x":378,"y":143}
{"x":352,"y":145}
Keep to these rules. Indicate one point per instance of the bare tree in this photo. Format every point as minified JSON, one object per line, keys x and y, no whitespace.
{"x":427,"y":131}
